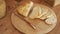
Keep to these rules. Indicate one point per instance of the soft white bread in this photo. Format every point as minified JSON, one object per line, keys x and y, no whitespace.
{"x":38,"y":11}
{"x":51,"y":17}
{"x":2,"y":8}
{"x":25,"y":8}
{"x":35,"y":12}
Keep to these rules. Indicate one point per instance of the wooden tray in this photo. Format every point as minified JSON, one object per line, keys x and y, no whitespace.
{"x":23,"y":26}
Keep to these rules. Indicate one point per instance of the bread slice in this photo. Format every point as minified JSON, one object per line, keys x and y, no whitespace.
{"x":24,"y":9}
{"x":38,"y":11}
{"x":51,"y":17}
{"x":44,"y":11}
{"x":51,"y":20}
{"x":35,"y":12}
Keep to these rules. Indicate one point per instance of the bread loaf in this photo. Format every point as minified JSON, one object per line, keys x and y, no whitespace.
{"x":38,"y":11}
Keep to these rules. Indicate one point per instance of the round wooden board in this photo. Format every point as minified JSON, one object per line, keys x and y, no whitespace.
{"x":2,"y":8}
{"x":24,"y":27}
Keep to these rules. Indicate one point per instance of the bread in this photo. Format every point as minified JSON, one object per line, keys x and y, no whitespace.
{"x":51,"y":17}
{"x":34,"y":15}
{"x":38,"y":11}
{"x":35,"y":12}
{"x":2,"y":8}
{"x":25,"y":8}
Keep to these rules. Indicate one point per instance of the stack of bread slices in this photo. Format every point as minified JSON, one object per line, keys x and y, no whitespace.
{"x":33,"y":11}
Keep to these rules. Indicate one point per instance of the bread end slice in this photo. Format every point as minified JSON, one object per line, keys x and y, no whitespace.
{"x":24,"y":10}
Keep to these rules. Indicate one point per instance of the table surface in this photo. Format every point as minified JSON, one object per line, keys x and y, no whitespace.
{"x":6,"y":26}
